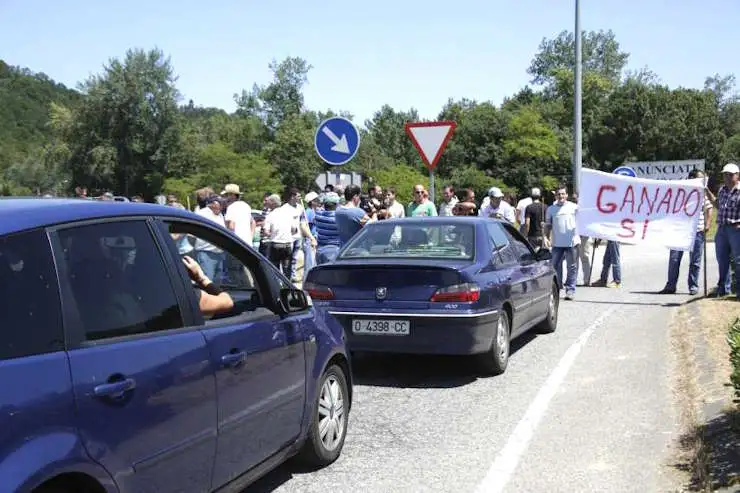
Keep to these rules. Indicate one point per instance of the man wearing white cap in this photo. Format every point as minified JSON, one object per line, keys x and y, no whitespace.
{"x":497,"y":207}
{"x":727,"y":239}
{"x":238,"y":213}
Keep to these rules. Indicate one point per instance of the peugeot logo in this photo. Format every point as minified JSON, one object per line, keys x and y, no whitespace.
{"x":381,"y":293}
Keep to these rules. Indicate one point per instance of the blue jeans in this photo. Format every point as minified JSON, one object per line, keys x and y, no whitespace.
{"x":210,"y":263}
{"x":674,"y":264}
{"x":570,"y":254}
{"x":613,"y":259}
{"x":294,"y":257}
{"x":727,"y":245}
{"x":309,"y":257}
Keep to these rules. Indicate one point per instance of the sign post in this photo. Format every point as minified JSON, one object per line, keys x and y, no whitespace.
{"x":430,"y":140}
{"x":337,"y":141}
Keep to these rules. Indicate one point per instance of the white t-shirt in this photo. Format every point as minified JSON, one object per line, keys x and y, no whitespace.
{"x":562,"y":218}
{"x":504,"y":208}
{"x":521,"y":206}
{"x":396,"y":209}
{"x":298,"y":214}
{"x":216,"y":218}
{"x":279,"y":224}
{"x":240,"y":214}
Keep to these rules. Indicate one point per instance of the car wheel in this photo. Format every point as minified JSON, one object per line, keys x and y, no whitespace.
{"x":329,"y":422}
{"x":495,"y":361}
{"x":550,"y":323}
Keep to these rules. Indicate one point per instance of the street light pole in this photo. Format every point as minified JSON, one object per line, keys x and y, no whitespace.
{"x":577,"y":98}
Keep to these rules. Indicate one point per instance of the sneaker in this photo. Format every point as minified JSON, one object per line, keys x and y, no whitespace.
{"x":693,"y":291}
{"x":569,"y":295}
{"x":599,"y":284}
{"x":614,"y":284}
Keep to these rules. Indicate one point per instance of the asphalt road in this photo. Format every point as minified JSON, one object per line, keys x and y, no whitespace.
{"x":587,"y":408}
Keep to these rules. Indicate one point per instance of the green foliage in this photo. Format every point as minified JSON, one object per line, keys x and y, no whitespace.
{"x":127,"y":131}
{"x":733,"y":339}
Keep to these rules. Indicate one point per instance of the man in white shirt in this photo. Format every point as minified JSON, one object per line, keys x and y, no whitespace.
{"x":560,"y":223}
{"x":449,"y":201}
{"x":209,"y":256}
{"x":238,"y":214}
{"x":279,"y":226}
{"x":521,"y":207}
{"x":497,"y":207}
{"x":396,"y":208}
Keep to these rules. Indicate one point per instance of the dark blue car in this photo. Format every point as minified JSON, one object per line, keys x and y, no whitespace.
{"x":438,"y":285}
{"x":111,"y":379}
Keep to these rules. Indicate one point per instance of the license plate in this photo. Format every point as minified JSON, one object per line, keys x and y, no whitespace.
{"x":381,"y":327}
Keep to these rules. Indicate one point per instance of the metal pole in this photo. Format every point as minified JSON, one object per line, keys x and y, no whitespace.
{"x":431,"y":187}
{"x":704,"y":261}
{"x":577,"y":98}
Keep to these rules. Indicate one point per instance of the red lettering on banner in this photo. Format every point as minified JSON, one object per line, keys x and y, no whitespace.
{"x":688,"y":201}
{"x":644,"y":197}
{"x":627,"y":225}
{"x":609,"y":207}
{"x":644,"y":228}
{"x":680,"y":201}
{"x":629,"y":198}
{"x":666,"y":201}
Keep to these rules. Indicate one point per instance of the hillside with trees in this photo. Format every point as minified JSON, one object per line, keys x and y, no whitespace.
{"x":128,"y":130}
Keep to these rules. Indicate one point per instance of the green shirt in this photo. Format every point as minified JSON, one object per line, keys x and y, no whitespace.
{"x":425,"y":209}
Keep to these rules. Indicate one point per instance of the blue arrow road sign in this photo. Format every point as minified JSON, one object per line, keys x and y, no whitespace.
{"x":625,"y":171}
{"x":337,"y":140}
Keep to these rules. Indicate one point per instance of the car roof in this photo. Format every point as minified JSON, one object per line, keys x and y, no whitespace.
{"x":436,"y":219}
{"x":19,"y":214}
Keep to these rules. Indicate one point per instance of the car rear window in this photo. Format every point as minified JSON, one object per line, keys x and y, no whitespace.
{"x":413,"y":240}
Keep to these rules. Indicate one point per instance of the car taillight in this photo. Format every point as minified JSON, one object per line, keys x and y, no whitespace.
{"x":462,"y":293}
{"x":318,"y":292}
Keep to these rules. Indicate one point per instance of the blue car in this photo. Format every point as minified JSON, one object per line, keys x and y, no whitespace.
{"x":111,"y":378}
{"x":438,"y":285}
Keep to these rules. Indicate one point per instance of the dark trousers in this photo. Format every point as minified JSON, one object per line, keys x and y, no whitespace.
{"x":281,"y":255}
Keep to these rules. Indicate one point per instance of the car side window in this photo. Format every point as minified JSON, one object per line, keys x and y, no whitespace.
{"x":521,"y":249}
{"x":231,"y":267}
{"x":31,"y":314}
{"x":500,"y":244}
{"x":118,"y":281}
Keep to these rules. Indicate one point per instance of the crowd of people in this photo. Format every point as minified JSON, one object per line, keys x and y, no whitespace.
{"x":312,"y":228}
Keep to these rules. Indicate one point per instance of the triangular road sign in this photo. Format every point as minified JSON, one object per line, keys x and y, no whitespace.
{"x":430,"y":139}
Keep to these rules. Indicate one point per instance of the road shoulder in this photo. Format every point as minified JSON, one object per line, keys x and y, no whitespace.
{"x":706,"y":456}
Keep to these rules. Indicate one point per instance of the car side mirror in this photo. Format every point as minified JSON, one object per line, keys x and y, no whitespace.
{"x":543,"y":254}
{"x":293,"y":300}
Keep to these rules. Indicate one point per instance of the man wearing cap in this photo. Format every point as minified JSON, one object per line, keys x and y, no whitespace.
{"x":497,"y":207}
{"x":534,"y":219}
{"x":560,"y":223}
{"x":309,"y":253}
{"x":238,"y":213}
{"x":327,"y":234}
{"x":727,"y":239}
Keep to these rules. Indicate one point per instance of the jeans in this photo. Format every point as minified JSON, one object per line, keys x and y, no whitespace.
{"x":281,"y":255}
{"x":695,"y":257}
{"x":294,"y":257}
{"x":727,"y":246}
{"x":612,"y":258}
{"x":326,"y":254}
{"x":211,"y":263}
{"x":570,"y":254}
{"x":309,"y":257}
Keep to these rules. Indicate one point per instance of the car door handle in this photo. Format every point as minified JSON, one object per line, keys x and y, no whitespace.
{"x":115,"y":389}
{"x":233,"y":359}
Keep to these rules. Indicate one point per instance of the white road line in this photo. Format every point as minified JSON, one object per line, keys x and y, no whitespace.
{"x":508,"y":458}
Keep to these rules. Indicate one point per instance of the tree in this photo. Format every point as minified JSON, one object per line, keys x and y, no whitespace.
{"x":600,"y":53}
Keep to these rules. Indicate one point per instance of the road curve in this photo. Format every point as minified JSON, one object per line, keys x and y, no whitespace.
{"x":587,"y":408}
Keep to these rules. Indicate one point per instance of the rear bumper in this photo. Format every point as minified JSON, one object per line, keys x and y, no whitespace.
{"x":430,"y":333}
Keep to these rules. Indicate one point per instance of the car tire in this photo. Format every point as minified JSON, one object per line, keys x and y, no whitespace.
{"x":324,"y":442}
{"x":550,"y":323}
{"x":495,"y":361}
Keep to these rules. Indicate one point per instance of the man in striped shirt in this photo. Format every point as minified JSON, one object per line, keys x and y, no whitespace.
{"x":727,"y":239}
{"x":697,"y":250}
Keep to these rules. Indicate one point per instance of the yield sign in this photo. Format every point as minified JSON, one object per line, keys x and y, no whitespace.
{"x":430,"y":139}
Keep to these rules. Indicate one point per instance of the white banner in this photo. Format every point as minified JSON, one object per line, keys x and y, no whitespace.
{"x":638,"y":210}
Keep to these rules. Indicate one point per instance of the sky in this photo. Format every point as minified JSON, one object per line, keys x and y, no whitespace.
{"x":405,"y":53}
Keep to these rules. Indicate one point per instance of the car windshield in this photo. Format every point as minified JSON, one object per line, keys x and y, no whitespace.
{"x":413,"y":240}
